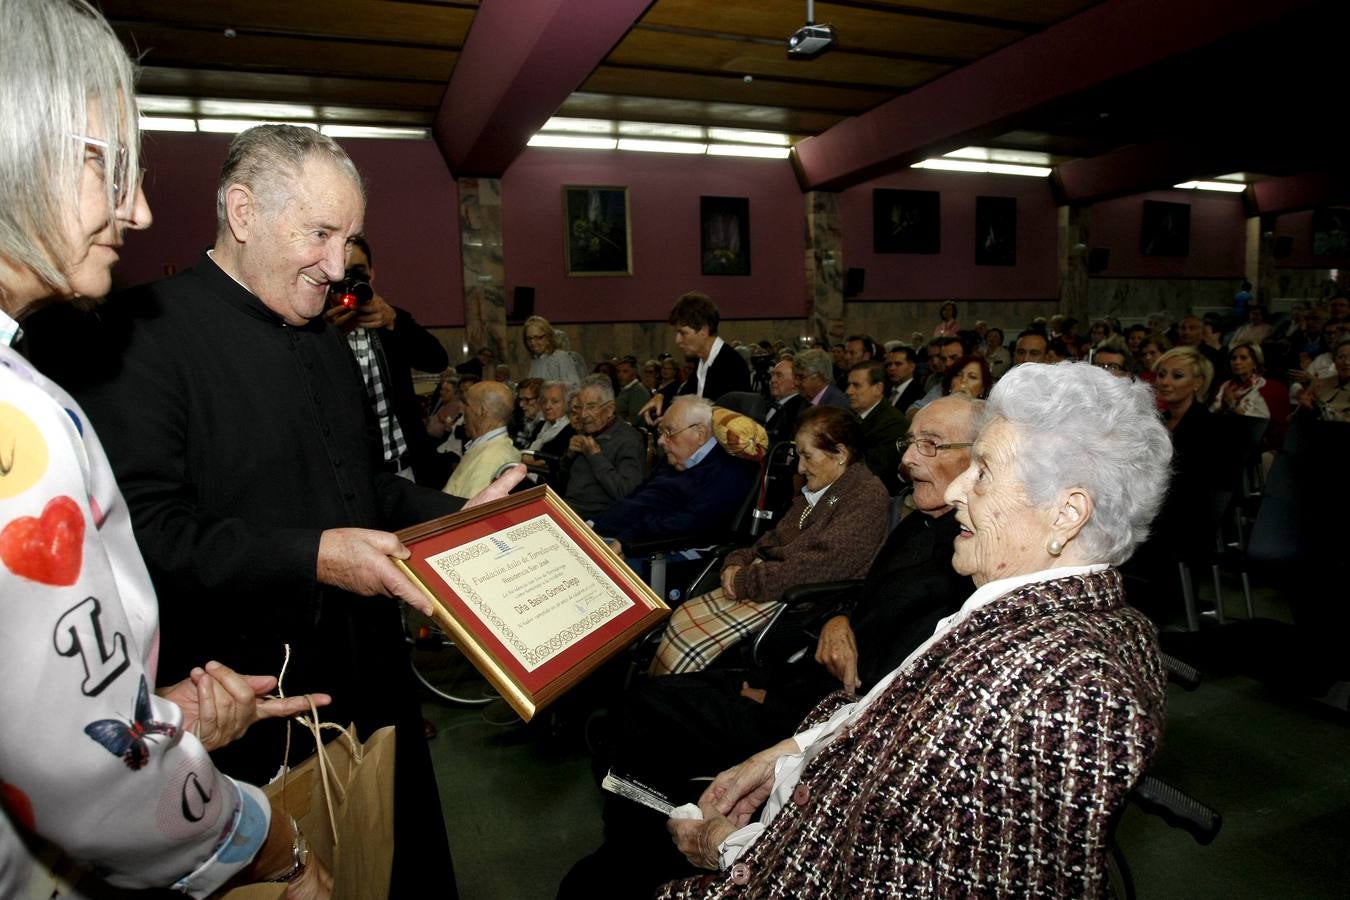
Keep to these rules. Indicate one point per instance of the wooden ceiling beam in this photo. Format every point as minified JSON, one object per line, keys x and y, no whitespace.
{"x":982,"y":99}
{"x":519,"y":63}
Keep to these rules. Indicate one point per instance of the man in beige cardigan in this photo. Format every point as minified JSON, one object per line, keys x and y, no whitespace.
{"x":487,"y":410}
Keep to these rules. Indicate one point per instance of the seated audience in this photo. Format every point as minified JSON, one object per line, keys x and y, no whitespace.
{"x":1151,"y":350}
{"x":968,"y":375}
{"x":950,"y":349}
{"x":815,"y":373}
{"x":1134,"y":339}
{"x":651,"y":375}
{"x":882,"y":424}
{"x":545,"y":453}
{"x":1047,"y":630}
{"x":947,"y":325}
{"x":548,"y":361}
{"x":781,"y":419}
{"x":1114,"y":356}
{"x":700,"y":490}
{"x":1328,"y":399}
{"x":606,"y":457}
{"x":526,"y":421}
{"x":487,"y":411}
{"x":1031,"y":347}
{"x":904,"y":387}
{"x":632,"y":394}
{"x":1248,"y":392}
{"x":1254,"y":331}
{"x":995,"y":354}
{"x":670,"y":381}
{"x":831,"y":531}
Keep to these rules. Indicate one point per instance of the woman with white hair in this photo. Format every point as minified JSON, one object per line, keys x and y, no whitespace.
{"x":994,"y":759}
{"x":99,"y":773}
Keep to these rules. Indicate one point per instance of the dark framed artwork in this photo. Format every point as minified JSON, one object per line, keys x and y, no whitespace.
{"x":1331,"y":232}
{"x":597,"y":230}
{"x":1166,"y":229}
{"x":724,"y":224}
{"x":906,"y":221}
{"x":995,"y":231}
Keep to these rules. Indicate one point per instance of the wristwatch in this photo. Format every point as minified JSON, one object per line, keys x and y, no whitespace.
{"x":299,"y":855}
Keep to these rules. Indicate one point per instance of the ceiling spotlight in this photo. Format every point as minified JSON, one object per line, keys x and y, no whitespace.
{"x":811,"y":39}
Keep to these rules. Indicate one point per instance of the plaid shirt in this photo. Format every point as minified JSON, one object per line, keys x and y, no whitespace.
{"x":366,"y":348}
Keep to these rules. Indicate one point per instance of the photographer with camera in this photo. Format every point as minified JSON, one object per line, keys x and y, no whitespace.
{"x":388,"y":343}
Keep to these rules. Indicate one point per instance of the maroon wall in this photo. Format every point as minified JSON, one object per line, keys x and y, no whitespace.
{"x":1298,"y":228}
{"x":1218,"y":236}
{"x":411,"y":217}
{"x":952,"y":274}
{"x":664,"y":191}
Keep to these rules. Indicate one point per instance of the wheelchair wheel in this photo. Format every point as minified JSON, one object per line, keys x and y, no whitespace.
{"x":440,"y":666}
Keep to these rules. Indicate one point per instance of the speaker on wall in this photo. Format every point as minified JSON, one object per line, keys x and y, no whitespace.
{"x":1098,"y":259}
{"x":522,"y":303}
{"x":853,"y":282}
{"x":1284,"y":245}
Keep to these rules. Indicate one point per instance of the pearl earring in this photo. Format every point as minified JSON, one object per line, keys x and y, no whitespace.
{"x":1054,"y":548}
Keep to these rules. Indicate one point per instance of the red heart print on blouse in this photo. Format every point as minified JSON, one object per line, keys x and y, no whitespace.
{"x":46,"y":548}
{"x":18,"y":804}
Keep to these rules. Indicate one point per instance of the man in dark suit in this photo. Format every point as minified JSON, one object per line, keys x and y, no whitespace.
{"x":882,"y":423}
{"x":904,"y":389}
{"x":814,"y":370}
{"x":720,"y":369}
{"x":781,"y":420}
{"x":700,"y":490}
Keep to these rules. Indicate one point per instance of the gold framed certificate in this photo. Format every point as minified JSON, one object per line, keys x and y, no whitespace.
{"x":529,"y":593}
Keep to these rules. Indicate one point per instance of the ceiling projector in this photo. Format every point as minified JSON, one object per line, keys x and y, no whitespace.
{"x":810,"y":41}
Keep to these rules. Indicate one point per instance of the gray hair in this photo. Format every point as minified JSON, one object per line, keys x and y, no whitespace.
{"x":61,"y":66}
{"x":601,"y":384}
{"x":265,"y":159}
{"x":1080,"y":426}
{"x":814,"y":362}
{"x":694,"y":410}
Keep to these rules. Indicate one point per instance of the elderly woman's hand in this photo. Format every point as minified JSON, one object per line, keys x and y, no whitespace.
{"x":219,"y":704}
{"x":837,"y":650}
{"x":727,"y":805}
{"x":729,"y":581}
{"x":699,"y":839}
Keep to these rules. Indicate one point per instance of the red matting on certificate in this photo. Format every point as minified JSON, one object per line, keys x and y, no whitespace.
{"x":528,"y":687}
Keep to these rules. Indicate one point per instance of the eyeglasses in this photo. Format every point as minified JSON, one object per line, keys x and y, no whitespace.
{"x":928,"y":447}
{"x":668,"y":434}
{"x":592,"y":407}
{"x":121,"y":184}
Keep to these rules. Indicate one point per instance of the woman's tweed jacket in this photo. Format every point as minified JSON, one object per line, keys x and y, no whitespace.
{"x":836,"y":541}
{"x":993,"y":767}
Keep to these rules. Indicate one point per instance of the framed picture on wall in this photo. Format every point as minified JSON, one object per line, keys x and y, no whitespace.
{"x":597,"y":230}
{"x":906,"y":221}
{"x":1331,"y":232}
{"x":724,"y":224}
{"x":1166,"y":229}
{"x":995,"y":231}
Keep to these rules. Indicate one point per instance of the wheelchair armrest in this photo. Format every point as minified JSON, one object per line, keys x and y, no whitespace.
{"x":1177,"y":809}
{"x":807,"y":593}
{"x":1181,"y":673}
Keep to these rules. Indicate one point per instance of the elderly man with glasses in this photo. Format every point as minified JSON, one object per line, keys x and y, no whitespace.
{"x":605,"y":457}
{"x":701,"y":488}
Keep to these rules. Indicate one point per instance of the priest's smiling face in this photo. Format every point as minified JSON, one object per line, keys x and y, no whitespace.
{"x":296,"y":243}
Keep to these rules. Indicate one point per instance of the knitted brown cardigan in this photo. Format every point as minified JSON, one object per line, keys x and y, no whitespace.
{"x":994,"y":766}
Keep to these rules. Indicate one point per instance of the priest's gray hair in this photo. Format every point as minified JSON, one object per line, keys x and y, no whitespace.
{"x":267,"y":158}
{"x":1080,"y":426}
{"x":60,"y":66}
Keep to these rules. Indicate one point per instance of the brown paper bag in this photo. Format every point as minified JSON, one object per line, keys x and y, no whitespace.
{"x":354,"y":833}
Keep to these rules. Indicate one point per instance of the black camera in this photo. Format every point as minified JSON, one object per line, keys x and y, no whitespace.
{"x":353,"y":291}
